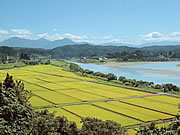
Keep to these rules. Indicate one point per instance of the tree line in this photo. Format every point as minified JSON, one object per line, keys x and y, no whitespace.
{"x":121,"y":53}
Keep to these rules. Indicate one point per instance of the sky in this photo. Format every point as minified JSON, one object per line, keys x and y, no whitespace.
{"x":95,"y":21}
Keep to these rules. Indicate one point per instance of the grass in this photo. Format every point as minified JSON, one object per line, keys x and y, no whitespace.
{"x":92,"y":111}
{"x":11,"y":65}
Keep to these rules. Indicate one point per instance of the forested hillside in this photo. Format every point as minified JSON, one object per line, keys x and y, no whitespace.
{"x":85,"y":50}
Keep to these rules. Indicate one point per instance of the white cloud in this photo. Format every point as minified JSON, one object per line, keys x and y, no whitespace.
{"x":175,"y":34}
{"x":2,"y":31}
{"x":76,"y":38}
{"x":71,"y":36}
{"x":157,"y":36}
{"x":108,"y":37}
{"x":22,"y":36}
{"x":153,"y":35}
{"x":115,"y":40}
{"x":50,"y":37}
{"x":21,"y":31}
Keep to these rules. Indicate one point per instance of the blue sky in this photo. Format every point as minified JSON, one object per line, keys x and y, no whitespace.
{"x":96,"y":21}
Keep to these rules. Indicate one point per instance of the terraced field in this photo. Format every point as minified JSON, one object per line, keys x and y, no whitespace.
{"x":75,"y":97}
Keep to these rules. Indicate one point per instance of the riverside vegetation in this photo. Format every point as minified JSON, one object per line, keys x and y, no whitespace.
{"x":18,"y":117}
{"x":124,"y":80}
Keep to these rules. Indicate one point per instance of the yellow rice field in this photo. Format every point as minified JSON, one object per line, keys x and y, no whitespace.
{"x":78,"y":97}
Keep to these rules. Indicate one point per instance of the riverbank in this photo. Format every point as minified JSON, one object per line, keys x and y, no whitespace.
{"x":145,"y":70}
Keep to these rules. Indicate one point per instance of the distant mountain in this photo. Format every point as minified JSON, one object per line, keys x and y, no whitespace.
{"x":87,"y":50}
{"x":24,"y":43}
{"x":46,"y":44}
{"x":160,"y":43}
{"x":118,"y":44}
{"x":57,"y":43}
{"x":40,"y":43}
{"x":70,"y":51}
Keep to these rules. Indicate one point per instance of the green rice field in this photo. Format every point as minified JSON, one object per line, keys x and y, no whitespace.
{"x":74,"y":97}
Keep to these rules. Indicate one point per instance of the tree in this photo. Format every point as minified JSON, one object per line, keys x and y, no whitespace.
{"x":121,"y":78}
{"x":111,"y":76}
{"x":75,"y":67}
{"x":99,"y":74}
{"x":158,"y":86}
{"x":94,"y":126}
{"x":47,"y":62}
{"x":24,"y":56}
{"x":15,"y":115}
{"x":170,"y":87}
{"x":88,"y":71}
{"x":151,"y":129}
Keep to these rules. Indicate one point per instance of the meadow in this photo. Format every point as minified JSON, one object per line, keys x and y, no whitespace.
{"x":75,"y":97}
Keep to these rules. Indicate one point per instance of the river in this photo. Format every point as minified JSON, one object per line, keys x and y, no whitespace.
{"x":159,"y":73}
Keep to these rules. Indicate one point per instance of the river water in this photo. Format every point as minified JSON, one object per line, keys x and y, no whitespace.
{"x":138,"y":72}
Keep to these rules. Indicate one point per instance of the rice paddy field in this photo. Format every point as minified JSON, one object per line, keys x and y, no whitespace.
{"x":74,"y":97}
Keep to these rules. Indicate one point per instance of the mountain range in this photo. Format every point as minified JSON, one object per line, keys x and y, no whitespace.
{"x":46,"y":44}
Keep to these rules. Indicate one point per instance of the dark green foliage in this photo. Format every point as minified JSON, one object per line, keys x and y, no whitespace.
{"x":79,"y":51}
{"x":8,"y":82}
{"x":12,"y":60}
{"x":65,"y":127}
{"x":3,"y":58}
{"x":21,"y":94}
{"x":122,"y":78}
{"x":170,"y":87}
{"x":135,"y":83}
{"x":31,"y":62}
{"x":75,"y":68}
{"x":8,"y":51}
{"x":47,"y":62}
{"x":158,"y":86}
{"x":24,"y":56}
{"x":37,"y":62}
{"x":100,"y":74}
{"x":121,"y":53}
{"x":111,"y":76}
{"x":152,"y":129}
{"x":88,"y":71}
{"x":45,"y":123}
{"x":93,"y":126}
{"x":15,"y":115}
